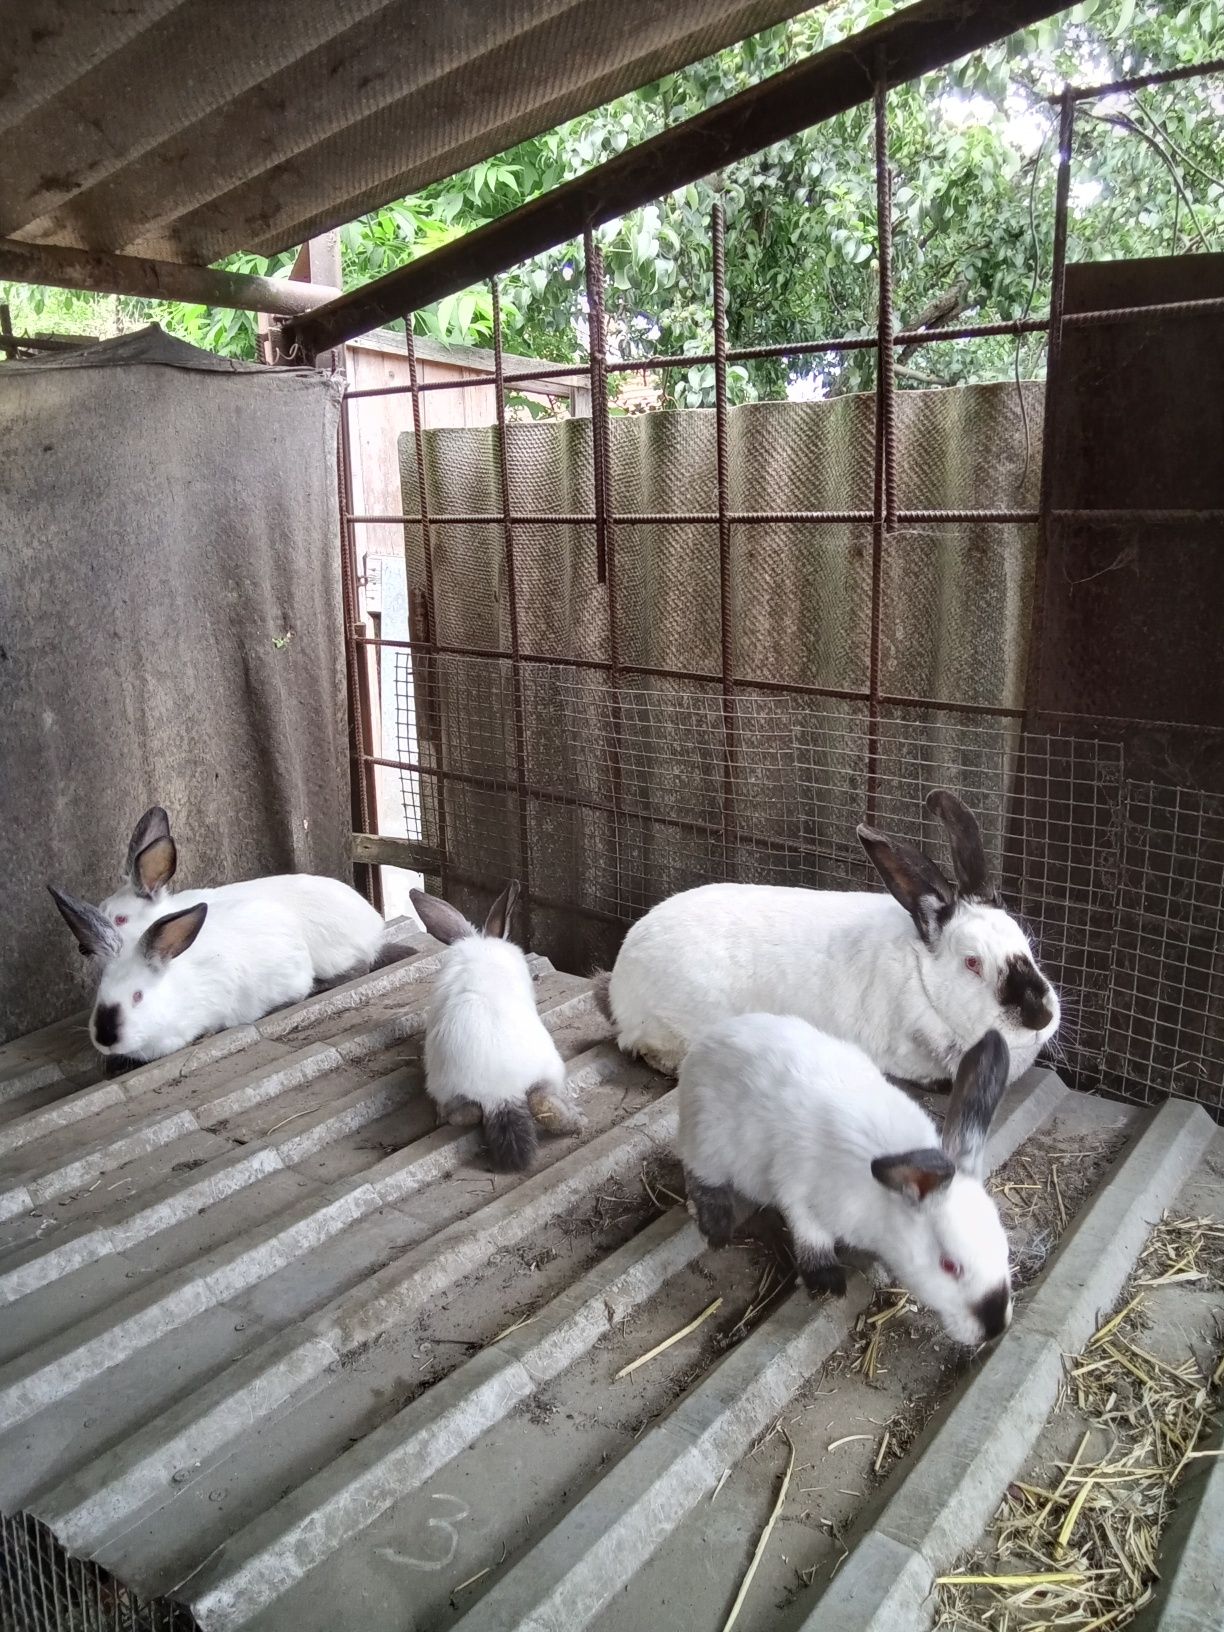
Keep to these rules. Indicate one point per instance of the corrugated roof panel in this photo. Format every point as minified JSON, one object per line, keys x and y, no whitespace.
{"x":277,"y":1348}
{"x":212,"y":126}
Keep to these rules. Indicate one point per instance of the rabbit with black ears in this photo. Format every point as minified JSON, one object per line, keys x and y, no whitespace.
{"x":342,"y":931}
{"x":779,"y":1114}
{"x":488,"y":1056}
{"x":203,"y":967}
{"x":913,"y":977}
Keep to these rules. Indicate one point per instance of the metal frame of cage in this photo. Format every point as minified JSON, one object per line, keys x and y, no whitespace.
{"x":884,"y":519}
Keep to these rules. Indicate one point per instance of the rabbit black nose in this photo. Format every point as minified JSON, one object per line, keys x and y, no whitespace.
{"x":106,"y":1025}
{"x":1024,"y":990}
{"x":994,"y":1312}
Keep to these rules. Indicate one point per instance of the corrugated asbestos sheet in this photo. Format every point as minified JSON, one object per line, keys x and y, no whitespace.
{"x":277,"y":1352}
{"x":187,"y":131}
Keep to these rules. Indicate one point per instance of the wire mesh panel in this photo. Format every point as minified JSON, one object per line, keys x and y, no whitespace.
{"x":44,"y":1589}
{"x":628,"y":798}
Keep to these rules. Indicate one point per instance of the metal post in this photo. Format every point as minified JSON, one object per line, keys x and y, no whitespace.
{"x":884,"y":496}
{"x":516,"y":668}
{"x":428,"y":695}
{"x":364,"y":803}
{"x":726,"y":606}
{"x":605,"y":531}
{"x":1049,"y":433}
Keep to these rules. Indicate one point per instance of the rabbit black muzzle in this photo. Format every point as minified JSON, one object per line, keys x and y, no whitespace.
{"x":1025,"y":992}
{"x":994,"y":1313}
{"x":106,"y":1025}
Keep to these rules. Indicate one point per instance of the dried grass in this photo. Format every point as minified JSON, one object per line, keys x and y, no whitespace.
{"x":1079,"y":1549}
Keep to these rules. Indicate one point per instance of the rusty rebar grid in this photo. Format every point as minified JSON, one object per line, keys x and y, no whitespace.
{"x":516,"y":674}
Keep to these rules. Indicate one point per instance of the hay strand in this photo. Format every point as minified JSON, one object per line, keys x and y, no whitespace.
{"x":667,"y":1342}
{"x":765,"y":1535}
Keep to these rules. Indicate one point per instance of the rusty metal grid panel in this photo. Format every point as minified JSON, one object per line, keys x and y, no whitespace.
{"x":647,"y":653}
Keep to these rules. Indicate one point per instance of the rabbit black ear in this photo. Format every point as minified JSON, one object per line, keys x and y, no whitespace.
{"x":444,"y":922}
{"x":93,"y":929}
{"x":965,"y":837}
{"x":154,"y":824}
{"x":912,"y":879}
{"x":154,"y":866}
{"x":497,"y":924}
{"x":914,"y":1174}
{"x":981,"y":1079}
{"x":170,"y":936}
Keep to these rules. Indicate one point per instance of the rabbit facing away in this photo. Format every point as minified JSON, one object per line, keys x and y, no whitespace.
{"x":913,"y":977}
{"x":780,"y":1114}
{"x":203,"y":966}
{"x":342,"y":931}
{"x":488,"y":1056}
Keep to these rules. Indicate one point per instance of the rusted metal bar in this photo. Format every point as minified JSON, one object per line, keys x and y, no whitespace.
{"x":884,"y":498}
{"x":915,"y":40}
{"x":1136,"y":314}
{"x":1147,"y":518}
{"x":597,"y":351}
{"x":578,"y":801}
{"x":735,"y":354}
{"x":726,"y":598}
{"x":605,"y":526}
{"x":743,"y":682}
{"x":541,"y":377}
{"x":1058,"y":294}
{"x":160,"y":280}
{"x":1139,"y":82}
{"x":429,"y":702}
{"x":663,"y":518}
{"x":363,"y":792}
{"x":322,"y":255}
{"x":516,"y":672}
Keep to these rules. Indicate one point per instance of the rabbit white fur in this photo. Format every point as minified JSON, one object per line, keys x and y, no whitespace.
{"x":913,"y":977}
{"x":488,"y":1055}
{"x":199,"y":967}
{"x":343,"y":933}
{"x":783,"y":1115}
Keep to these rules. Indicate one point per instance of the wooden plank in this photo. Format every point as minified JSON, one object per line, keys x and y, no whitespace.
{"x":376,"y":850}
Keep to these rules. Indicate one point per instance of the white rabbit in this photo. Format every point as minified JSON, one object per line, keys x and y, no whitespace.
{"x":342,"y":931}
{"x":488,"y":1055}
{"x":913,"y":977}
{"x":783,"y":1115}
{"x":201,"y":967}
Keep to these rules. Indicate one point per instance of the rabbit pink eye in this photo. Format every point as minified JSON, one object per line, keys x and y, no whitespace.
{"x":121,"y":917}
{"x":136,"y":997}
{"x":974,"y":965}
{"x":951,"y":1267}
